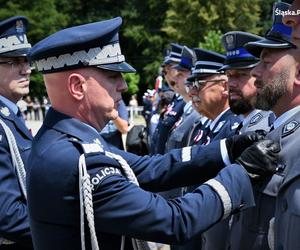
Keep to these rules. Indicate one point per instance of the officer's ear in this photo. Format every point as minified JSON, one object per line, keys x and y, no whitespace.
{"x":297,"y":76}
{"x":77,"y":85}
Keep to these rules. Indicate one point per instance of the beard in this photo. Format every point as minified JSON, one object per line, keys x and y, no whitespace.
{"x":241,"y":106}
{"x":268,"y":96}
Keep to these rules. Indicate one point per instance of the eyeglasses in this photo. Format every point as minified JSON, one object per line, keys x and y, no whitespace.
{"x":18,"y":64}
{"x":199,"y":84}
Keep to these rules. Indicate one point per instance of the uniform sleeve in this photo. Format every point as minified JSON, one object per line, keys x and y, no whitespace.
{"x":121,"y":207}
{"x":179,"y":167}
{"x":14,"y":222}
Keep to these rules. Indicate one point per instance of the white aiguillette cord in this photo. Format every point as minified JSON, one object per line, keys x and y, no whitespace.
{"x":86,"y":201}
{"x":16,"y":157}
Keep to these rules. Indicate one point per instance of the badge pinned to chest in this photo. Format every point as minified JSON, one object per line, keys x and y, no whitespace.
{"x":255,"y":119}
{"x":290,"y":128}
{"x":5,"y":111}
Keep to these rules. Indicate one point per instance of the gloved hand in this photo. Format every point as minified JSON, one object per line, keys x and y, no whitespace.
{"x":238,"y":143}
{"x":261,"y":158}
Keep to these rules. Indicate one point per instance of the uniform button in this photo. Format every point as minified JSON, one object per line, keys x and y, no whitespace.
{"x":284,"y":205}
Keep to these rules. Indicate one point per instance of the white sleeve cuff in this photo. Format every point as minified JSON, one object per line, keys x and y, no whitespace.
{"x":223,"y":194}
{"x":224,"y":153}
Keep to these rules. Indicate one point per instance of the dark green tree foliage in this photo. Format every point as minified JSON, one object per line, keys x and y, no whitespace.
{"x":144,"y":39}
{"x":212,"y":41}
{"x":189,"y":21}
{"x":44,"y":20}
{"x":148,"y":26}
{"x":265,"y":21}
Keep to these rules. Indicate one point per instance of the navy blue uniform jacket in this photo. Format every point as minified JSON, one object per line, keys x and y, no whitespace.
{"x":14,"y":222}
{"x":161,"y":133}
{"x":121,"y":207}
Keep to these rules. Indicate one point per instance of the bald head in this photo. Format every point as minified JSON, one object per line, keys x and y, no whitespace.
{"x":89,"y":94}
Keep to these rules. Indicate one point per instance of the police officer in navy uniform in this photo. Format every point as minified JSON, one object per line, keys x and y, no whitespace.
{"x":179,"y":133}
{"x":276,"y":80}
{"x":175,"y":109}
{"x":209,"y":91}
{"x":242,"y":90}
{"x":84,"y":194}
{"x":208,"y":88}
{"x":15,"y":139}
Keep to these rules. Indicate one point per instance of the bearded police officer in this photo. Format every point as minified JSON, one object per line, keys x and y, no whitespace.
{"x":77,"y":182}
{"x":15,"y":139}
{"x":242,"y":91}
{"x":276,"y":81}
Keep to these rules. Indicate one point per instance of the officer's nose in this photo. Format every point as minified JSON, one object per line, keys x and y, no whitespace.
{"x":122,"y":85}
{"x":25,"y":68}
{"x":256,"y":71}
{"x":232,"y":83}
{"x":193,"y":91}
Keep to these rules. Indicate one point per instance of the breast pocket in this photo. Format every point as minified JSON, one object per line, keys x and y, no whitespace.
{"x":24,"y":149}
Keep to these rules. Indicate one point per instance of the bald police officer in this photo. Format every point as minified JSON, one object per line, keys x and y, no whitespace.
{"x":77,"y":182}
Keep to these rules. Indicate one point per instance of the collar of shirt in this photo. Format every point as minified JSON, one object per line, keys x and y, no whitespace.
{"x":178,"y":97}
{"x":214,"y":122}
{"x":203,"y":119}
{"x":187,"y":106}
{"x":12,"y":106}
{"x":91,"y":127}
{"x":285,"y":116}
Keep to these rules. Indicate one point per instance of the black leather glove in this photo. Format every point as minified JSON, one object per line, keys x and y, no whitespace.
{"x":238,"y":143}
{"x":261,"y":158}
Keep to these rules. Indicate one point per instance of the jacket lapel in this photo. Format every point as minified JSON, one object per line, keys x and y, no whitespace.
{"x":9,"y":117}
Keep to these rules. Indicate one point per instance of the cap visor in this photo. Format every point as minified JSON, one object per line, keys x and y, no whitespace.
{"x":255,"y":48}
{"x":16,"y":53}
{"x":193,"y":77}
{"x":119,"y":67}
{"x":239,"y":65}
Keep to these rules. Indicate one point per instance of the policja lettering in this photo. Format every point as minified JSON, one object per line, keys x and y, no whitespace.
{"x":104,"y":172}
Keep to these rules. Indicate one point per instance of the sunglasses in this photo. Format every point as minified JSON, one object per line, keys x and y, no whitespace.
{"x":199,"y":84}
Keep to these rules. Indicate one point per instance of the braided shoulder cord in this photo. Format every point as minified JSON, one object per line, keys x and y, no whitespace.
{"x":137,"y":244}
{"x":86,"y":201}
{"x":86,"y":204}
{"x":127,"y":169}
{"x":16,"y":157}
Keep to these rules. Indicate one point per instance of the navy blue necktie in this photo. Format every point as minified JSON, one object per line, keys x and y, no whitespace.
{"x":20,"y":115}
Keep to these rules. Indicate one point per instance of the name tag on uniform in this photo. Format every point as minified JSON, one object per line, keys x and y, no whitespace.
{"x":92,"y":148}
